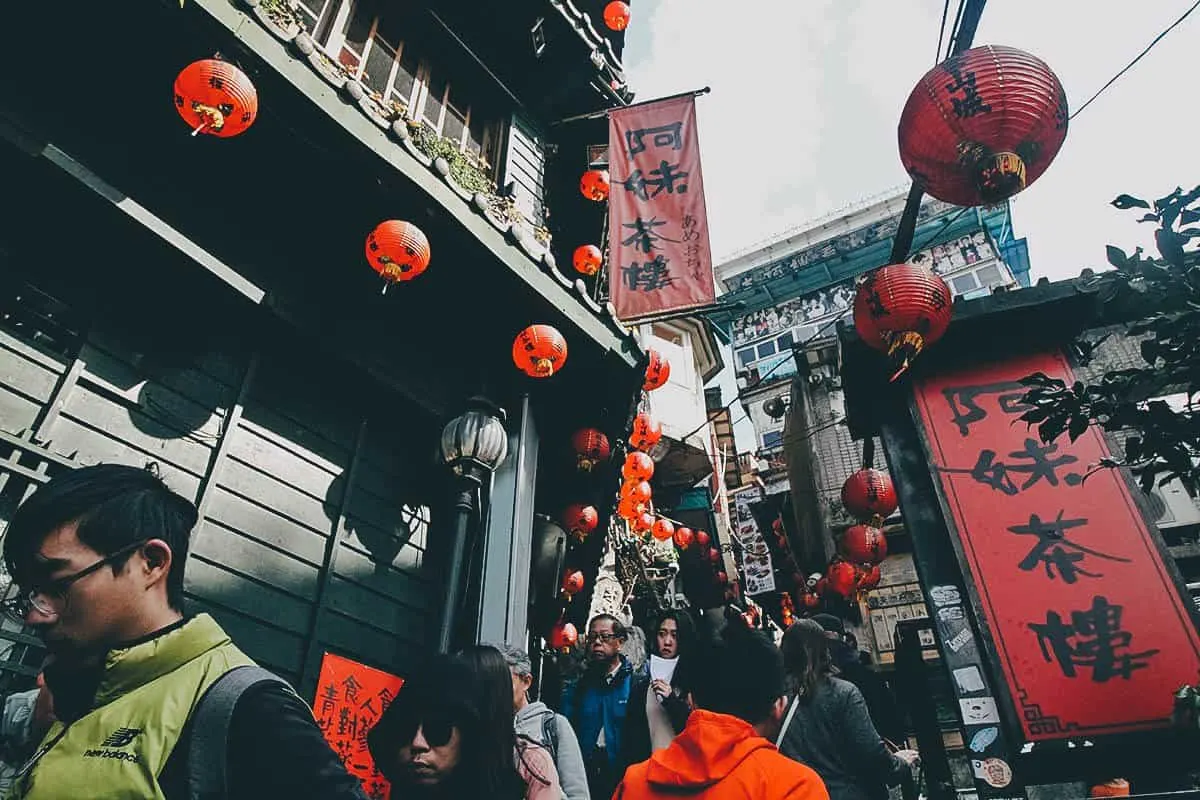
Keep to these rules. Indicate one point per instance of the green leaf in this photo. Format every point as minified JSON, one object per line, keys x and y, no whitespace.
{"x":1125,"y":201}
{"x":1116,"y":256}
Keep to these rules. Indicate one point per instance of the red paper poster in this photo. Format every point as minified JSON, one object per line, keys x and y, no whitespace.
{"x":1091,"y":633}
{"x":659,"y":255}
{"x":350,"y":699}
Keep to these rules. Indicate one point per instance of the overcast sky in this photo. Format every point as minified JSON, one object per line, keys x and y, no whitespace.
{"x":806,"y":95}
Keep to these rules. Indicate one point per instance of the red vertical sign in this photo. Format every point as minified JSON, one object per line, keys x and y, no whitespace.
{"x":659,"y":256}
{"x":1090,"y":630}
{"x":350,"y":699}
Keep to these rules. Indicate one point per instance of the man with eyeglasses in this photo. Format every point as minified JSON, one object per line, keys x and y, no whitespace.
{"x":596,"y":703}
{"x":97,"y":559}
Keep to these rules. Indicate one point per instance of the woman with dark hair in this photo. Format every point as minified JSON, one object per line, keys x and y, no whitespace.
{"x":658,"y":707}
{"x":494,"y":701}
{"x":438,"y":740}
{"x":827,"y":725}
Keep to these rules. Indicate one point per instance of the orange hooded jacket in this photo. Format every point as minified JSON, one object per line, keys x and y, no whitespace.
{"x":719,"y":757}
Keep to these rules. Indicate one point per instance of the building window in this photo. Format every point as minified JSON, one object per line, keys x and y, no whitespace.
{"x":372,"y":49}
{"x":766,"y":349}
{"x":772,"y":439}
{"x":786,"y":342}
{"x":964,"y":283}
{"x":989,"y":275}
{"x":746,"y":357}
{"x":667,"y":334}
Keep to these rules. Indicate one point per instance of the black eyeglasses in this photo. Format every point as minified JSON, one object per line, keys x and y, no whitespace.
{"x":50,"y":597}
{"x":602,"y":637}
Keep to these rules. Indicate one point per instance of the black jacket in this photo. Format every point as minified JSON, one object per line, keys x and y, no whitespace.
{"x":635,"y":739}
{"x":885,"y":713}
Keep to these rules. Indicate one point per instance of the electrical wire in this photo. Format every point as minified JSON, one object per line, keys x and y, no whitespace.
{"x":1139,"y":57}
{"x":937,"y":56}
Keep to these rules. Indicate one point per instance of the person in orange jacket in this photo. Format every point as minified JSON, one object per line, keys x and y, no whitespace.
{"x":725,"y":751}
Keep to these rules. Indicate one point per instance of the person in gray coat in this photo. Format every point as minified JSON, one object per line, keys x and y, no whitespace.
{"x":538,"y":722}
{"x":827,"y":726}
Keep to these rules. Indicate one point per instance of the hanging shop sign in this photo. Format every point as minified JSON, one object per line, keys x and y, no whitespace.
{"x":758,"y":572}
{"x":1087,"y":623}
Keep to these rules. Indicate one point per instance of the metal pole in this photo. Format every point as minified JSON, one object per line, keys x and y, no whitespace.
{"x":464,"y":505}
{"x":605,"y":112}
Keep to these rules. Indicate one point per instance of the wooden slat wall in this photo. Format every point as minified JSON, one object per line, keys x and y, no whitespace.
{"x":27,"y":379}
{"x":525,"y":165}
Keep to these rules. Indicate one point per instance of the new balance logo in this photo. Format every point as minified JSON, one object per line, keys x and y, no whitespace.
{"x":121,"y":737}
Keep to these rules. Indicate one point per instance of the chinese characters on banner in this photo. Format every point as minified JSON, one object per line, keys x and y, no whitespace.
{"x":1090,"y":631}
{"x":351,"y":697}
{"x":657,"y":223}
{"x":757,"y":569}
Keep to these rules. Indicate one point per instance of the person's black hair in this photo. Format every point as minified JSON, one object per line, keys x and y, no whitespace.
{"x":618,"y":627}
{"x":808,"y":657}
{"x":114,"y":506}
{"x":740,"y":673}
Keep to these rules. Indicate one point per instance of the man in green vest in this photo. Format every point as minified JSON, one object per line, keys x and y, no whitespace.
{"x":97,"y":558}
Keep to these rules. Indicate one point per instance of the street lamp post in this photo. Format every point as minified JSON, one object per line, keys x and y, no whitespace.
{"x":473,"y":446}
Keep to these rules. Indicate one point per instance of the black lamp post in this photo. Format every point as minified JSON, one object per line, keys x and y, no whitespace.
{"x":473,"y":445}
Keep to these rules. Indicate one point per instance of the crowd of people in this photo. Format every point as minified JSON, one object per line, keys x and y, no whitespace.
{"x":137,"y":699}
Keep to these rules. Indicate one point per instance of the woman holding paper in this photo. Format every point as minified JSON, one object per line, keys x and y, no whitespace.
{"x":658,"y":707}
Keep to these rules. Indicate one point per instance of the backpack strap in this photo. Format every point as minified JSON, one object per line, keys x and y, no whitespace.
{"x":209,"y":747}
{"x":787,"y":721}
{"x":550,"y":734}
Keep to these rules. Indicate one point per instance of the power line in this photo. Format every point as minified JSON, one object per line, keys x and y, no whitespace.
{"x":937,"y":56}
{"x":1139,"y":57}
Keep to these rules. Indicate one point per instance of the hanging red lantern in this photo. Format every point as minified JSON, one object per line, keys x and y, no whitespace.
{"x":663,"y":530}
{"x":901,"y":309}
{"x":642,"y":523}
{"x":639,"y":492}
{"x":539,"y":351}
{"x":587,"y":259}
{"x":658,"y":371}
{"x":869,"y":577}
{"x":563,"y":636}
{"x":398,"y":251}
{"x":591,"y":447}
{"x":702,"y":539}
{"x":714,"y":555}
{"x":572,"y":583}
{"x":721,"y":577}
{"x":215,"y":97}
{"x":683,"y":538}
{"x":810,"y":600}
{"x":983,"y":125}
{"x":637,"y":467}
{"x":842,"y":578}
{"x":646,"y":432}
{"x":616,"y":15}
{"x":580,"y":520}
{"x":863,"y":544}
{"x":594,"y":185}
{"x":628,"y":508}
{"x":869,"y":493}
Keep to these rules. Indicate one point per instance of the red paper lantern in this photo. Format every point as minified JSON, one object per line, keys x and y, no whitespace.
{"x":637,"y":467}
{"x":616,"y":15}
{"x":683,"y":538}
{"x":702,"y":539}
{"x":563,"y":636}
{"x":642,"y":523}
{"x":639,"y":492}
{"x":663,"y":529}
{"x":398,"y":251}
{"x":594,"y":184}
{"x":721,"y":577}
{"x":539,"y":351}
{"x":869,"y":577}
{"x":580,"y":520}
{"x":628,"y":508}
{"x":216,"y":98}
{"x":587,"y":259}
{"x":572,"y":583}
{"x":646,"y":432}
{"x":842,"y":578}
{"x":810,"y":600}
{"x":714,"y":555}
{"x":863,"y":544}
{"x":591,"y":447}
{"x":869,"y":493}
{"x":900,"y":309}
{"x":658,"y":371}
{"x":983,"y":125}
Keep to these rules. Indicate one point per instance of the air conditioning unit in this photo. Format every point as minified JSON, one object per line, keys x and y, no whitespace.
{"x":1171,"y":506}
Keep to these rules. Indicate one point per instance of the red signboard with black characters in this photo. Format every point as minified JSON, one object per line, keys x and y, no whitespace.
{"x":351,"y":697}
{"x":1089,"y":628}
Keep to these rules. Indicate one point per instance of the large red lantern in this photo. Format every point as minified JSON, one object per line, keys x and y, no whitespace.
{"x":714,"y":555}
{"x":662,"y":530}
{"x":591,"y":448}
{"x":702,"y":539}
{"x":628,"y":508}
{"x":539,"y":351}
{"x":900,"y":309}
{"x":572,"y":583}
{"x":639,"y":492}
{"x":683,"y":538}
{"x":637,"y":467}
{"x":983,"y":125}
{"x":398,"y":251}
{"x":580,"y":520}
{"x":869,"y":493}
{"x":215,"y":97}
{"x":563,"y":636}
{"x":646,"y":432}
{"x":616,"y":15}
{"x":863,"y":544}
{"x":841,"y":578}
{"x":658,"y":371}
{"x":869,"y":577}
{"x":642,"y":523}
{"x":594,"y":185}
{"x":587,"y":259}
